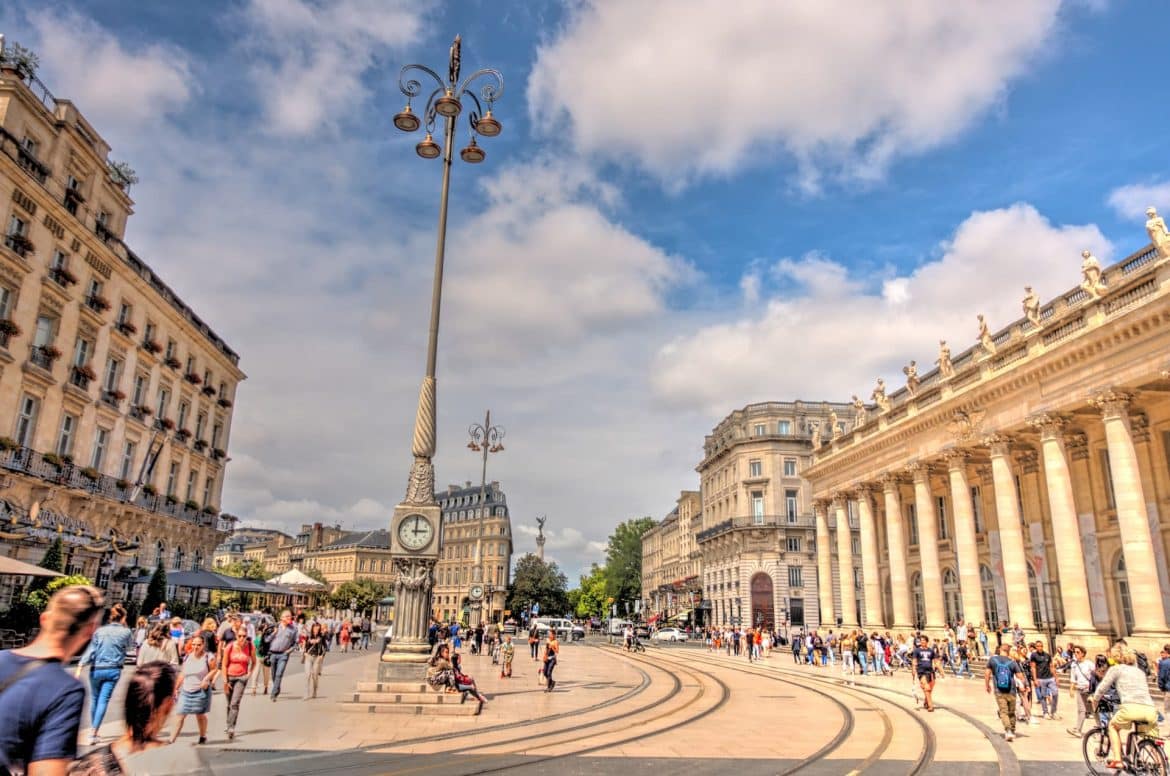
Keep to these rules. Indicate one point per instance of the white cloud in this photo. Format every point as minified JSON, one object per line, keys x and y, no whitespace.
{"x":117,"y":89}
{"x":311,"y":55}
{"x":831,"y":333}
{"x":1131,"y":201}
{"x":687,"y":89}
{"x":564,"y":543}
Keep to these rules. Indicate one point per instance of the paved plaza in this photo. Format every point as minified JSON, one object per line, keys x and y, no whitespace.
{"x":680,"y":708}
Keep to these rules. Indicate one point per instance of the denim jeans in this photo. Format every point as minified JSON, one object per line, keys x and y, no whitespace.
{"x":879,"y":662}
{"x":102,"y":682}
{"x":279,"y":663}
{"x":1047,"y":693}
{"x":863,"y":662}
{"x":234,"y":690}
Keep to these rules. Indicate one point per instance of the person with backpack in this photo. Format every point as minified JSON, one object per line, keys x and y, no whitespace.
{"x":262,"y":668}
{"x":239,"y":662}
{"x":1164,"y":680}
{"x":1000,"y":678}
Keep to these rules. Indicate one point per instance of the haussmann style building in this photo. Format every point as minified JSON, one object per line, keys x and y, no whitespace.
{"x":1025,"y":480}
{"x":116,"y":397}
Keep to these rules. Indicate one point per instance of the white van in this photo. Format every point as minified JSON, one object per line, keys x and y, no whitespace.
{"x":564,"y":628}
{"x":617,"y":626}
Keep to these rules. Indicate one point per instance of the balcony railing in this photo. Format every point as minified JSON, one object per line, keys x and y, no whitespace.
{"x":756,"y":521}
{"x":24,"y":460}
{"x":33,"y":165}
{"x":80,"y":379}
{"x":18,"y":244}
{"x":41,"y":356}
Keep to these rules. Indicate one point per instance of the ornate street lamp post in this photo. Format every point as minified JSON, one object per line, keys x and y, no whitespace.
{"x":488,"y":439}
{"x":415,"y":525}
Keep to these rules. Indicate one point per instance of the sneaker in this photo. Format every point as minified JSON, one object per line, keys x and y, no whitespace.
{"x":1009,"y":736}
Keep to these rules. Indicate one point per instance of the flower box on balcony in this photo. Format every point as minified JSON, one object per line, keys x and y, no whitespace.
{"x":149,"y":490}
{"x":191,"y":504}
{"x":122,"y":484}
{"x":193,"y":378}
{"x":91,"y":473}
{"x":152,"y":346}
{"x":210,"y":510}
{"x":184,"y":434}
{"x":8,"y":443}
{"x":167,"y":423}
{"x":171,"y":500}
{"x":97,"y":303}
{"x":85,"y":372}
{"x":20,"y":244}
{"x":9,"y":328}
{"x":224,"y":402}
{"x":74,"y":194}
{"x":127,"y":328}
{"x":218,"y":454}
{"x":51,"y":352}
{"x":62,"y":276}
{"x":144,"y":410}
{"x":208,"y":391}
{"x":173,"y":362}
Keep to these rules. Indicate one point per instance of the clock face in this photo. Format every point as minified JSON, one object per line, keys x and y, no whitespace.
{"x":476,"y":592}
{"x":415,"y":532}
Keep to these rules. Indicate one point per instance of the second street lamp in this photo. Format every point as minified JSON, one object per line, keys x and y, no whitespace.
{"x":487,"y":439}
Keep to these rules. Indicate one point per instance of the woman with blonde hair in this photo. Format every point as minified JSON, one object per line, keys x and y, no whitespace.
{"x":1137,"y":707}
{"x":198,"y":674}
{"x":159,"y":647}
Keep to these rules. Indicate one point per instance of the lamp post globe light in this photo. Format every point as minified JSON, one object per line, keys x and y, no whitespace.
{"x":487,"y":439}
{"x":415,"y":526}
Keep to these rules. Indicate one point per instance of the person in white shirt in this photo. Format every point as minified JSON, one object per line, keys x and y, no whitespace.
{"x":1080,"y":669}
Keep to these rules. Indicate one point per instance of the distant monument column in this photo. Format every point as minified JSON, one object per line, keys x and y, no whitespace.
{"x":540,"y":521}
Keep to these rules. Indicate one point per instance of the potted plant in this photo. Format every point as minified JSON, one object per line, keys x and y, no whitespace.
{"x":167,"y":423}
{"x":218,"y":453}
{"x":200,"y":445}
{"x":127,"y":328}
{"x":91,"y":473}
{"x":171,"y":500}
{"x":52,"y":459}
{"x":173,"y":362}
{"x":224,"y":402}
{"x":63,"y":276}
{"x":149,"y":489}
{"x":84,"y":371}
{"x":183,"y":434}
{"x":123,"y":174}
{"x":144,"y":410}
{"x":99,"y":303}
{"x":210,"y":510}
{"x":21,"y":244}
{"x":67,"y":460}
{"x":152,"y":346}
{"x":193,"y":378}
{"x":8,"y":443}
{"x":117,"y":395}
{"x":19,"y":60}
{"x":51,"y":352}
{"x":122,"y":484}
{"x":192,"y":504}
{"x":9,"y":328}
{"x":208,"y":391}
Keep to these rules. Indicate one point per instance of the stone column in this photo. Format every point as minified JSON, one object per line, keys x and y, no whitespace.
{"x":932,"y":593}
{"x":896,"y":536}
{"x":1133,"y":521}
{"x":970,"y":587}
{"x":824,"y":564}
{"x":845,"y":565}
{"x":869,"y":560}
{"x":1070,"y":562}
{"x":1011,"y":535}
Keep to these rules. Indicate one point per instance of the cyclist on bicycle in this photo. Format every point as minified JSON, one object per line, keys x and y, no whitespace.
{"x":1137,"y":707}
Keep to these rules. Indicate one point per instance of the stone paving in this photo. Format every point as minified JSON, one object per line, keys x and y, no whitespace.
{"x":680,"y":708}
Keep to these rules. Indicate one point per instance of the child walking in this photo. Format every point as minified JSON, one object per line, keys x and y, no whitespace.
{"x":507,"y":652}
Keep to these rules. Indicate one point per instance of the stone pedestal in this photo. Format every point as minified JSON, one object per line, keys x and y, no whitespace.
{"x":404,"y":663}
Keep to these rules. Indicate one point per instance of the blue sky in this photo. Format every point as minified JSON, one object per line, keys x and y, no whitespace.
{"x":693,"y":206}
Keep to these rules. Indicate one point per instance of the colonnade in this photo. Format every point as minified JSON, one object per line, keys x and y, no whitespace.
{"x":1061,"y":449}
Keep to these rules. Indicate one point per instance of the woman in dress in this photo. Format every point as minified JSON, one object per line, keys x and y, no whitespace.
{"x":345,"y":636}
{"x":198,"y":673}
{"x":314,"y":658}
{"x":107,"y":654}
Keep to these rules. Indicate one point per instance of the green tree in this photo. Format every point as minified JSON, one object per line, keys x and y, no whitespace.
{"x":156,"y":590}
{"x":591,"y":602}
{"x":40,"y":598}
{"x":535,"y":581}
{"x":249,"y":569}
{"x":623,"y":560}
{"x":361,"y":595}
{"x":53,"y":560}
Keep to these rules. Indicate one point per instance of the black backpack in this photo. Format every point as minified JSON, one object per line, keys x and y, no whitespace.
{"x":1143,"y":662}
{"x":265,"y":640}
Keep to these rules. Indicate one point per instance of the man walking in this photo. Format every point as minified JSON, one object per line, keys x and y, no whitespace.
{"x":1043,"y":679}
{"x":1000,"y":678}
{"x":281,"y":642}
{"x":1164,"y":681}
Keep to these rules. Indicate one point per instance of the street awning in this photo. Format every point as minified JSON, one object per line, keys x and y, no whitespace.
{"x":653,"y":619}
{"x":18,"y":568}
{"x":209,"y":580}
{"x":682,"y":615}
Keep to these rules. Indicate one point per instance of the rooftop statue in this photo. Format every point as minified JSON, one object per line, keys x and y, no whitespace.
{"x":946,"y":369}
{"x":1159,"y":235}
{"x":1032,"y":306}
{"x":879,"y":396}
{"x":985,"y":337}
{"x":1093,"y":283}
{"x":911,"y":372}
{"x":859,"y":413}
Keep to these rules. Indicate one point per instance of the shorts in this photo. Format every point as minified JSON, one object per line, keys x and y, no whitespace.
{"x":1130,"y":713}
{"x":927,"y":675}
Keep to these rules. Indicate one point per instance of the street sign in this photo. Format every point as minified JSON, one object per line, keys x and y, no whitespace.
{"x":734,"y":620}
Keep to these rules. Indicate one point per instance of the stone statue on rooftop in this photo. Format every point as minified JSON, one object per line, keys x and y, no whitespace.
{"x":911,"y":372}
{"x":985,"y":339}
{"x":859,"y":413}
{"x":816,"y":434}
{"x":1093,"y":283}
{"x":1159,"y":235}
{"x":946,"y":369}
{"x":879,"y":396}
{"x":1032,"y":306}
{"x":833,"y":420}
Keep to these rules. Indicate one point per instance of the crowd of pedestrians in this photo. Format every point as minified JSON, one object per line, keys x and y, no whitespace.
{"x":176,"y":674}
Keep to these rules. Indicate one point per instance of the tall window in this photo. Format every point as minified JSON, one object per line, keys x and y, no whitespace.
{"x":170,"y":348}
{"x":164,"y":400}
{"x":125,"y":311}
{"x":784,"y":427}
{"x":44,"y":331}
{"x":987,"y":587}
{"x":60,"y":260}
{"x":216,"y":433}
{"x":100,"y":439}
{"x":200,"y":424}
{"x":5,"y":303}
{"x":941,"y":506}
{"x":26,"y":420}
{"x":790,"y":505}
{"x":191,"y":477}
{"x":207,"y":490}
{"x":128,"y":451}
{"x":912,"y":521}
{"x":977,"y":511}
{"x":755,"y":468}
{"x":789,"y":467}
{"x":190,"y":365}
{"x":1020,"y":501}
{"x":795,"y":576}
{"x":761,"y":429}
{"x":148,"y":332}
{"x":184,"y":410}
{"x":65,"y":438}
{"x":81,"y":351}
{"x":113,"y":371}
{"x":140,"y":381}
{"x":793,"y":543}
{"x":758,"y":507}
{"x":172,"y":478}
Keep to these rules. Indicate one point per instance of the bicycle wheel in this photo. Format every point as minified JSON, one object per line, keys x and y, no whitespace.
{"x":1149,"y":759}
{"x":1095,"y":747}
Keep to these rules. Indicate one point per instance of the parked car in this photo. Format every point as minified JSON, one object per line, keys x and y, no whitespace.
{"x":642,"y":630}
{"x":564,"y":628}
{"x":577,"y":633}
{"x":510,"y":626}
{"x":670,"y":634}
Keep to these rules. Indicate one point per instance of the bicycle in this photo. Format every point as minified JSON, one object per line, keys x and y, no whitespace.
{"x":1142,"y":753}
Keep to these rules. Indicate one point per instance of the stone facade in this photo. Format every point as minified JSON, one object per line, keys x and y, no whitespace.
{"x":671,"y":586}
{"x":1028,"y":483}
{"x":756,"y":539}
{"x":117,"y":397}
{"x":464,"y":534}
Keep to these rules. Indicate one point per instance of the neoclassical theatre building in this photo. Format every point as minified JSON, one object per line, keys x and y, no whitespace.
{"x":116,"y":398}
{"x":1025,"y":480}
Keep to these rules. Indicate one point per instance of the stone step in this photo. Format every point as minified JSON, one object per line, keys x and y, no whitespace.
{"x":469,"y":709}
{"x":427,"y":698}
{"x":394,"y":687}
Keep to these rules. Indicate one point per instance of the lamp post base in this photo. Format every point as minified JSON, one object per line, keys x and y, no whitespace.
{"x":404,"y":663}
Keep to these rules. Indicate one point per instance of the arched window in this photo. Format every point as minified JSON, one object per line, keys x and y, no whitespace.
{"x":919,"y":600}
{"x":987,"y":589}
{"x":177,"y":563}
{"x":952,"y":603}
